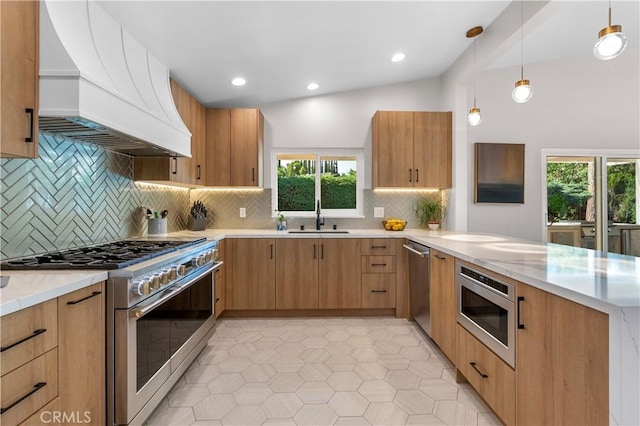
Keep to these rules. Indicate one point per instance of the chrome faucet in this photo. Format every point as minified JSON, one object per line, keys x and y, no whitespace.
{"x":319,"y":222}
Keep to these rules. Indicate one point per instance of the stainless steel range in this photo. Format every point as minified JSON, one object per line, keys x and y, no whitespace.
{"x":160,"y":313}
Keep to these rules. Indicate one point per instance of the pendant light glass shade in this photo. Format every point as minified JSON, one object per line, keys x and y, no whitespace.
{"x":474,"y":118}
{"x":522,"y":92}
{"x":611,"y":42}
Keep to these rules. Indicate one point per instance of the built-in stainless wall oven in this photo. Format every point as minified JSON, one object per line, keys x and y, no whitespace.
{"x":486,"y":308}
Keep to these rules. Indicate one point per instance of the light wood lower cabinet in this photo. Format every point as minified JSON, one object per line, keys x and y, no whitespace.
{"x":443,"y":302}
{"x":297,"y":273}
{"x":340,"y":280}
{"x":253,"y":271}
{"x":53,"y":361}
{"x":29,"y":387}
{"x":494,"y":380}
{"x":27,"y":334}
{"x":379,"y":291}
{"x":81,"y":347}
{"x":220,"y":279}
{"x":562,"y":361}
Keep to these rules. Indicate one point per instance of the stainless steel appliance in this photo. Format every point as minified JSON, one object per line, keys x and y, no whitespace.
{"x":486,"y":308}
{"x":588,"y":237}
{"x":160,"y":314}
{"x":419,"y":286}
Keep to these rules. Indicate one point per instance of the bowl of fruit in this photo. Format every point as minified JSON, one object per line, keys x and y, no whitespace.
{"x":394,"y":224}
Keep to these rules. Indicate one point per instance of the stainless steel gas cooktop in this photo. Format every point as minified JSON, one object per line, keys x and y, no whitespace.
{"x":114,"y":255}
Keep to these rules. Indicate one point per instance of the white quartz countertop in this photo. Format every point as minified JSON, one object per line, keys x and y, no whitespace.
{"x":600,"y":281}
{"x":28,"y":288}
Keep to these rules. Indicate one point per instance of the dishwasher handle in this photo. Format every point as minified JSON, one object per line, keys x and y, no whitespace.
{"x":419,"y":253}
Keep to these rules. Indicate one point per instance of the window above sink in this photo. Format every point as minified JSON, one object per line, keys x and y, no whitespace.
{"x":333,"y":177}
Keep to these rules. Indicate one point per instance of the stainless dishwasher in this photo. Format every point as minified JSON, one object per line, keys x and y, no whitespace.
{"x":419,"y":284}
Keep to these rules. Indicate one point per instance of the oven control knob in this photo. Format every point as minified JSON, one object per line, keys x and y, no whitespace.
{"x":164,"y":277}
{"x":200,"y":260}
{"x":182,"y":270}
{"x":208,"y":256}
{"x":155,"y":282}
{"x":173,"y":273}
{"x":141,"y":288}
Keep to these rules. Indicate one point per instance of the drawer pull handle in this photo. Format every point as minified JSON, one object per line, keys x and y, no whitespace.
{"x":198,"y":172}
{"x":75,"y":302}
{"x":30,"y":137}
{"x":35,"y":333}
{"x":378,"y":291}
{"x":473,"y":364}
{"x":378,"y":264}
{"x":33,"y":390}
{"x":175,"y":165}
{"x":378,"y":247}
{"x":410,"y":175}
{"x":437,"y":256}
{"x":217,"y":299}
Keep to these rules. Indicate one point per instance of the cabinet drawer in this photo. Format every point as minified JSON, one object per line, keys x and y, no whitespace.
{"x":378,"y":264}
{"x":48,"y":414}
{"x":378,"y":290}
{"x":494,"y":380}
{"x":378,"y":247}
{"x":28,"y":388}
{"x":27,"y":334}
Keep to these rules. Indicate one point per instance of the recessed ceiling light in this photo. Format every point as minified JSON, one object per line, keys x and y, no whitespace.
{"x":238,"y":81}
{"x":312,"y":86}
{"x":398,"y":57}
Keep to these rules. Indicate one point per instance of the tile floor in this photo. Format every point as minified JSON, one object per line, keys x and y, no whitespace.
{"x":321,"y":371}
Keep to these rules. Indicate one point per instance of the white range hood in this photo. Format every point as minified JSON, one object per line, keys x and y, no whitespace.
{"x":99,"y":85}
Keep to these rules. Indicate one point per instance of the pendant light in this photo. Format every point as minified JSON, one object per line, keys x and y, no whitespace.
{"x":611,"y":41}
{"x":474,"y":118}
{"x":523,"y":91}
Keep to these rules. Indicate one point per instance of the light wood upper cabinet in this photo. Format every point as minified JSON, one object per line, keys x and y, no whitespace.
{"x":297,"y":273}
{"x":562,"y":361}
{"x":234,"y":147}
{"x":179,"y":170}
{"x":253,"y":274}
{"x":443,"y":302}
{"x":432,"y":149}
{"x":19,"y":79}
{"x":81,"y":348}
{"x":340,"y":278}
{"x":411,"y":149}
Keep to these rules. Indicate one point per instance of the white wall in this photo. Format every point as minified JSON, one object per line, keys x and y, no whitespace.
{"x":341,"y":120}
{"x":577,"y":103}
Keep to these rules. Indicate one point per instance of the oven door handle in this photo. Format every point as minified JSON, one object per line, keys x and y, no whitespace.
{"x":171,"y":292}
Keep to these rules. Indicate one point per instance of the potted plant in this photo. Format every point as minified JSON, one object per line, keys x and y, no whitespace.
{"x":431,"y":210}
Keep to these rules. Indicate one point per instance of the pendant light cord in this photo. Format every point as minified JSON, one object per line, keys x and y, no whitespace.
{"x":475,"y":76}
{"x":522,"y":39}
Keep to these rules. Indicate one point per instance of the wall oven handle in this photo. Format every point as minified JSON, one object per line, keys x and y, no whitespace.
{"x":411,"y":249}
{"x":473,"y":364}
{"x":520,"y":299}
{"x":139,"y":313}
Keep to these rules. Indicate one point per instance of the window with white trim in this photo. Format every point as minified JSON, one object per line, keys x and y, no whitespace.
{"x":300,"y":180}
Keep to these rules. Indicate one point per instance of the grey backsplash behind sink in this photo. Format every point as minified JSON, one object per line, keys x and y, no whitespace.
{"x":74,"y":195}
{"x":223,"y":207}
{"x":77,"y":194}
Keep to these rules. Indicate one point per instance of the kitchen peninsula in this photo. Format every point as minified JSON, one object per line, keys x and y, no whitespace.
{"x":607,"y":283}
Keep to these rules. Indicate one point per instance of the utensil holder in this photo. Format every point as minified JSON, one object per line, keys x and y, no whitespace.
{"x":197,"y":223}
{"x":157,"y":226}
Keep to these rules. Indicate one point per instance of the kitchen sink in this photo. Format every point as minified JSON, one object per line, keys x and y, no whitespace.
{"x":322,"y":231}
